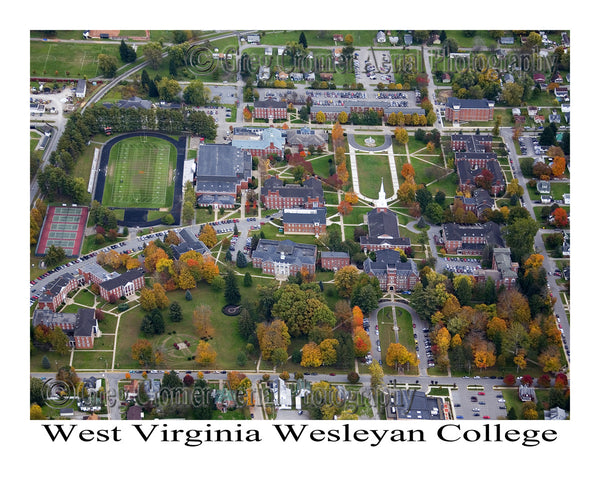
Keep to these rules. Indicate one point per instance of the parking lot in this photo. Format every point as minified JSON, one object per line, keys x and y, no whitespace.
{"x":459,"y":264}
{"x":477,"y":403}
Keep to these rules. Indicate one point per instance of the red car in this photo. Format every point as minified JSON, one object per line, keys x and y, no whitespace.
{"x":480,"y":393}
{"x":486,"y":416}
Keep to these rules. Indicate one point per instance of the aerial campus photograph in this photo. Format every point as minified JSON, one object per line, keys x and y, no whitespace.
{"x":300,"y":224}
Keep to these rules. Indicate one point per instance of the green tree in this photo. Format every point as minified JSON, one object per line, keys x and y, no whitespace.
{"x":365,"y":297}
{"x":232,"y":291}
{"x":196,"y":93}
{"x":168,"y":89}
{"x":519,"y":236}
{"x":175,"y":314}
{"x":171,"y":381}
{"x":153,"y":53}
{"x":127,"y":53}
{"x":59,"y":341}
{"x":247,"y":279}
{"x":107,"y":64}
{"x":54,"y":256}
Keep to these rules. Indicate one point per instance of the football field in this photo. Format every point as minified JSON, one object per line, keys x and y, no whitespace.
{"x":140,"y":173}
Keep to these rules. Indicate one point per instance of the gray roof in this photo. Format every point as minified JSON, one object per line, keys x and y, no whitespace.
{"x":410,"y":404}
{"x":80,"y":324}
{"x":504,"y":262}
{"x":390,"y":259}
{"x":383,"y":223}
{"x":299,"y":215}
{"x":220,"y":168}
{"x":122,"y":279}
{"x":270,"y":103}
{"x":80,"y":86}
{"x":468,"y":103}
{"x":306,"y":137}
{"x":335,"y":255}
{"x":489,"y":230}
{"x":189,"y":242}
{"x":311,"y":187}
{"x":135,"y":102}
{"x":467,"y":173}
{"x":285,"y":251}
{"x":473,"y":143}
{"x":54,"y":287}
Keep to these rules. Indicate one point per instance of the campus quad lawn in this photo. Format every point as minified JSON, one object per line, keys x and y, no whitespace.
{"x":387,"y":334}
{"x":371,"y":169}
{"x":140,"y":173}
{"x":226,"y":341}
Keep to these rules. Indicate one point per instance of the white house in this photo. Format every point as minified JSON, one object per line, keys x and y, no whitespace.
{"x":81,"y":88}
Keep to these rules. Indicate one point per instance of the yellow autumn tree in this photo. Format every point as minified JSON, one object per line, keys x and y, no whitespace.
{"x":205,"y":353}
{"x":328,"y":349}
{"x":311,"y":355}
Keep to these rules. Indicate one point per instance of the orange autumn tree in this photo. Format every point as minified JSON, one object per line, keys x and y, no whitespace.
{"x":362,"y":342}
{"x":558,"y":166}
{"x":357,"y":317}
{"x":345,"y":208}
{"x":351,"y":198}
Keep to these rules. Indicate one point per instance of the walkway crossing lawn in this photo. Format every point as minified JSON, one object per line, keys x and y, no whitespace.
{"x":80,"y":60}
{"x":387,"y":335}
{"x":321,"y":164}
{"x":140,"y":173}
{"x":371,"y":169}
{"x":85,"y":297}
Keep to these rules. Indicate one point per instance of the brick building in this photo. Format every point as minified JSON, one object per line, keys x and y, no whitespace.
{"x":270,"y":110}
{"x":259,"y":142}
{"x":284,"y":258}
{"x":334,"y":260}
{"x":222,"y":171}
{"x":383,"y":228}
{"x":470,"y":239}
{"x":123,"y":285}
{"x":80,"y":327}
{"x":304,"y":221}
{"x":275,"y":195}
{"x":472,"y":173}
{"x":306,"y":137}
{"x":56,"y":291}
{"x":471,"y":143}
{"x":503,"y":271}
{"x":479,"y":201}
{"x":469,"y":110}
{"x":393,"y":274}
{"x":189,"y":241}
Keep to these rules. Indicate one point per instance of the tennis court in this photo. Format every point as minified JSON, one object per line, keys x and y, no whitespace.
{"x":140,"y":173}
{"x":63,"y":227}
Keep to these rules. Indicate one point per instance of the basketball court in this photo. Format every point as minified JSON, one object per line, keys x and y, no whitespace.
{"x":63,"y":227}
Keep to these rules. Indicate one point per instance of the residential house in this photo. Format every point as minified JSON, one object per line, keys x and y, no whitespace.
{"x":393,"y":273}
{"x":380,"y":37}
{"x":284,"y":258}
{"x":555,"y":413}
{"x":539,"y":77}
{"x":135,"y":412}
{"x":81,"y":88}
{"x":543,"y":187}
{"x":470,"y":239}
{"x":334,"y":260}
{"x":304,"y":221}
{"x":282,"y":394}
{"x":81,"y":328}
{"x":526,"y":393}
{"x":264,"y":73}
{"x":446,"y":78}
{"x":275,"y":195}
{"x":131,"y":390}
{"x":253,"y":39}
{"x":151,"y":389}
{"x":467,"y":110}
{"x":224,"y":399}
{"x":507,"y":40}
{"x":222,"y":171}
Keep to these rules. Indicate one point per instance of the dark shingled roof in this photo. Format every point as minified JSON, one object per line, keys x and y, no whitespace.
{"x":312,"y":187}
{"x":312,"y":215}
{"x":189,"y":242}
{"x":122,"y":279}
{"x":383,"y":223}
{"x":390,"y":259}
{"x":468,"y":103}
{"x":293,"y":253}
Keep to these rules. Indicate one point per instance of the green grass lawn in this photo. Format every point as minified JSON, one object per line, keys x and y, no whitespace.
{"x":85,"y":297}
{"x":140,"y":173}
{"x":371,"y":169}
{"x":58,"y":58}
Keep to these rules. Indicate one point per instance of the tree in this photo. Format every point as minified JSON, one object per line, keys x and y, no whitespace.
{"x":345,"y":279}
{"x":302,"y":40}
{"x":162,"y":301}
{"x":153,"y":53}
{"x":401,"y":135}
{"x":168,"y":89}
{"x":512,"y":94}
{"x":175,"y":314}
{"x":59,"y":341}
{"x":376,"y":372}
{"x":561,"y":218}
{"x":519,"y":236}
{"x":311,"y":355}
{"x":107,"y":64}
{"x":232,"y":291}
{"x":35,"y":412}
{"x":396,"y":355}
{"x":196,"y":93}
{"x":241,"y":261}
{"x":513,"y":188}
{"x":362,"y":342}
{"x":143,"y":352}
{"x":328,"y":349}
{"x":272,"y":336}
{"x":54,"y":256}
{"x":208,"y":236}
{"x":247,"y":279}
{"x":147,"y":299}
{"x":366,"y":297}
{"x":127,"y":53}
{"x":205,"y":353}
{"x":345,"y":208}
{"x":320,"y":117}
{"x":201,"y":321}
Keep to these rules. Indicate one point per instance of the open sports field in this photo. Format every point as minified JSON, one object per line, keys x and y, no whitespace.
{"x":140,"y":173}
{"x":57,"y":58}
